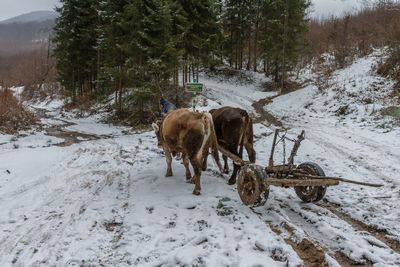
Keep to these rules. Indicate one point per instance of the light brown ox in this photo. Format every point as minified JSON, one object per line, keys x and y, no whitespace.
{"x":192,"y":134}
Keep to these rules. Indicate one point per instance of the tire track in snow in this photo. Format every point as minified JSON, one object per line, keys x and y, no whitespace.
{"x":363,"y":160}
{"x":357,"y":161}
{"x":380,"y":234}
{"x":363,"y":168}
{"x":344,"y":259}
{"x":323,"y":228}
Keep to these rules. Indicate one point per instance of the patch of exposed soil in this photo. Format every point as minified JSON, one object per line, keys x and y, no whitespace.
{"x":311,"y":254}
{"x":70,"y":137}
{"x":59,"y":131}
{"x":111,"y":226}
{"x":289,"y":86}
{"x":265,"y":115}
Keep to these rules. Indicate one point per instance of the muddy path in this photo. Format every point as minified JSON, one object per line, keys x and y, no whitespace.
{"x":320,"y":235}
{"x":70,"y":137}
{"x":311,"y":254}
{"x":59,"y":130}
{"x":264,"y":115}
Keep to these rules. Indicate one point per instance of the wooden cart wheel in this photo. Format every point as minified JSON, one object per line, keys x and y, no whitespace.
{"x":311,"y":193}
{"x":250,"y":185}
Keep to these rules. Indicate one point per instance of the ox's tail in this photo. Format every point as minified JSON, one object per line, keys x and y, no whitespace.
{"x":213,"y":141}
{"x":244,"y":131}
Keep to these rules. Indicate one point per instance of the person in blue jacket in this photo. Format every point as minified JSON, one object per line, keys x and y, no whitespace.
{"x":166,"y":106}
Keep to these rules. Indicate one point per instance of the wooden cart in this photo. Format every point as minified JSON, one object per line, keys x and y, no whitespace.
{"x":308,"y":179}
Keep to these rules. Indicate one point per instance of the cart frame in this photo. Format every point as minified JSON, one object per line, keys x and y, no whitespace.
{"x":308,"y":179}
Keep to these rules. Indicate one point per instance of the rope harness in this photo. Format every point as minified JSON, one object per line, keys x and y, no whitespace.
{"x":283,"y":138}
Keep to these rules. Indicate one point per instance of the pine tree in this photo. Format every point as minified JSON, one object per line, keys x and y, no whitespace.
{"x":151,"y":50}
{"x":201,"y":39}
{"x":112,"y":57}
{"x":238,"y":25}
{"x":65,"y":46}
{"x":282,"y":32}
{"x":75,"y":40}
{"x":150,"y":47}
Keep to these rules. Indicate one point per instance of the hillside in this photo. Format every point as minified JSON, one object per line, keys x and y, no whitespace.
{"x":82,"y":192}
{"x":36,"y":16}
{"x":25,"y":32}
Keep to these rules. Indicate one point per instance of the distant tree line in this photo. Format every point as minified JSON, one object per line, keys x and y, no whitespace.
{"x":355,"y":35}
{"x":139,"y":48}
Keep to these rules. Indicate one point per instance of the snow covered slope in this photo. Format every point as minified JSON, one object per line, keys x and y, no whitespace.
{"x":234,"y":88}
{"x":351,"y":144}
{"x":354,"y":95}
{"x":82,"y":192}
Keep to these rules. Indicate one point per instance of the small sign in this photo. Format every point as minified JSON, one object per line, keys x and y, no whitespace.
{"x":194,"y":87}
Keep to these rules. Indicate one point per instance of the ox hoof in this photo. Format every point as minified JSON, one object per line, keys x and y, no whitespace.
{"x":226,"y":171}
{"x":232,"y":181}
{"x":168,"y":174}
{"x":196,"y":192}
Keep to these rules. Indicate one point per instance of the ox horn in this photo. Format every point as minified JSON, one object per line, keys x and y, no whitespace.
{"x":155,"y":126}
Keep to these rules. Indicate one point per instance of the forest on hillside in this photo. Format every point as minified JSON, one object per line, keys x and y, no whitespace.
{"x":137,"y":51}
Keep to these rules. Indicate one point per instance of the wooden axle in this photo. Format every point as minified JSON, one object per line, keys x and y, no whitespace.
{"x":291,"y":182}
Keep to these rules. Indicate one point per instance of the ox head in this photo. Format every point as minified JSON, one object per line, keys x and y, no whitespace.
{"x":156,"y":127}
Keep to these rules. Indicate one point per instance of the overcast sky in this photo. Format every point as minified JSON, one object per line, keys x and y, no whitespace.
{"x":12,"y":8}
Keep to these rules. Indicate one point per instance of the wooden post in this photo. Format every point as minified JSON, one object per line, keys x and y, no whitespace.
{"x":296,"y":147}
{"x":271,"y":156}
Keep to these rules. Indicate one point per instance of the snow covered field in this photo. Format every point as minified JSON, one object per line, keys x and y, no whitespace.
{"x":95,"y":194}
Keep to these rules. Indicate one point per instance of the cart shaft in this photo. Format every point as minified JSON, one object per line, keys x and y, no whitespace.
{"x":287,"y":182}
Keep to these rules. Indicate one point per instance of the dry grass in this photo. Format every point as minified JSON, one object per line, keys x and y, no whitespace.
{"x":13,"y":116}
{"x":34,"y":69}
{"x":391,"y":67}
{"x":356,"y":34}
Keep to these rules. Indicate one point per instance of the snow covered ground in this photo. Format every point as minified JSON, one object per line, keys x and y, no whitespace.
{"x":235,"y":91}
{"x":352,"y":145}
{"x":84,"y":193}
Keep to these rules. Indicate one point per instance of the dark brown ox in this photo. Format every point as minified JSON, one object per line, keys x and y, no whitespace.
{"x":234,"y":129}
{"x":192,"y":134}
